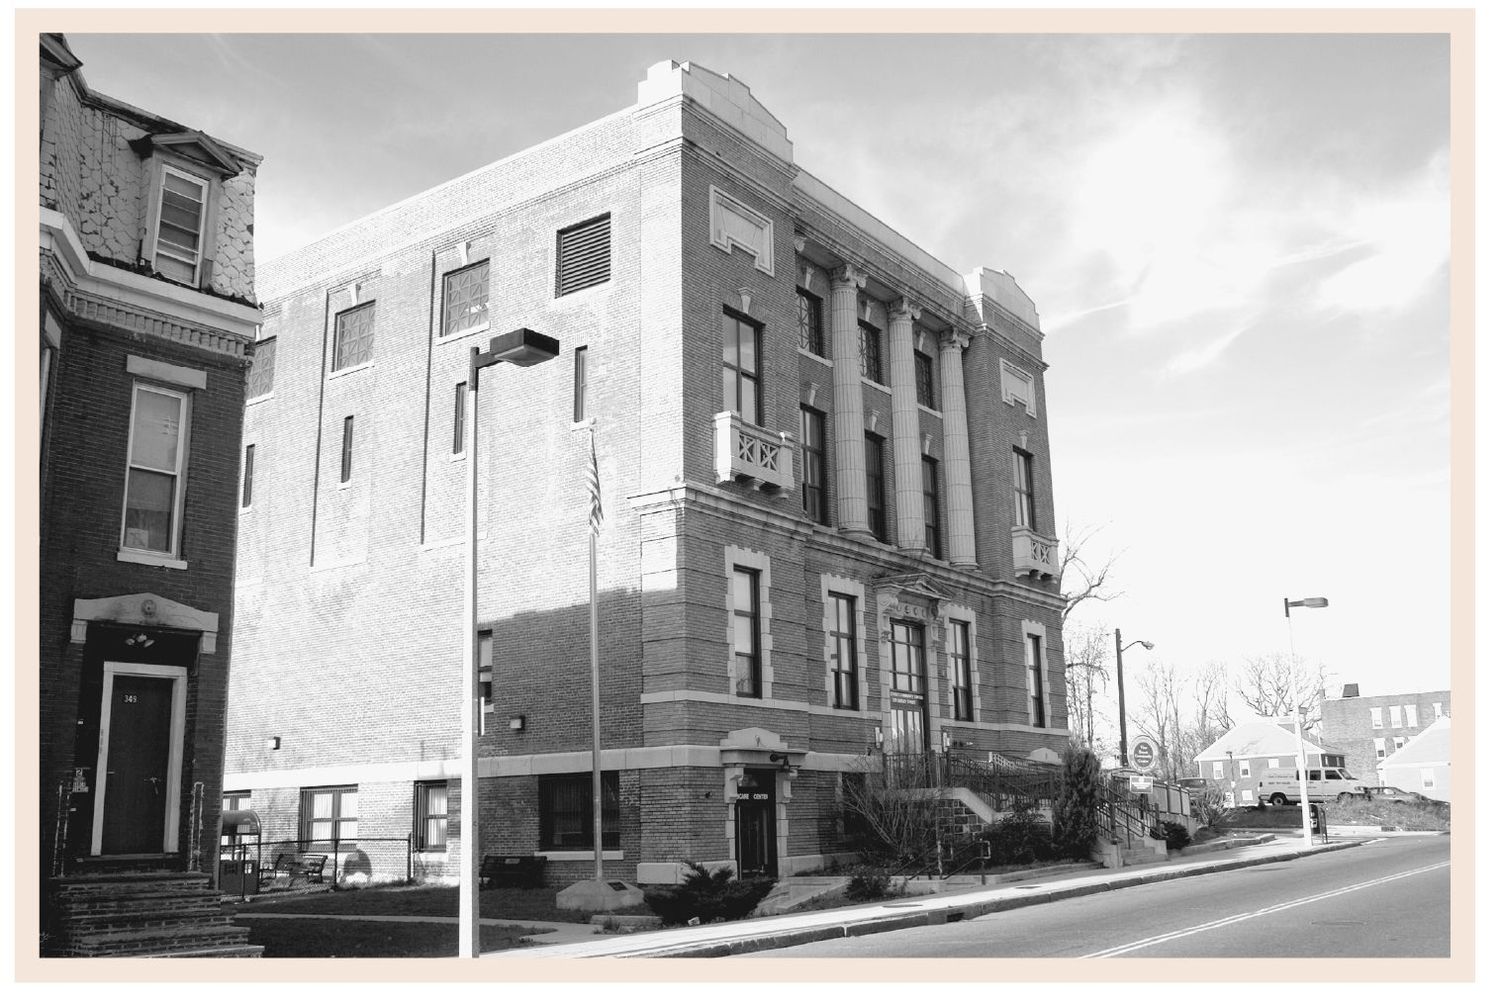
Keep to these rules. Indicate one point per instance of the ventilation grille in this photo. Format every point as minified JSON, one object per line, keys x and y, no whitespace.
{"x":584,"y":255}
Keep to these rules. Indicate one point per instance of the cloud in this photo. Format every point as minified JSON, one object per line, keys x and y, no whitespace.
{"x":1200,"y":356}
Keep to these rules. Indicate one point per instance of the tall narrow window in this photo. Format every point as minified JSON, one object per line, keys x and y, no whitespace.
{"x":466,"y":299}
{"x":460,"y":416}
{"x":346,"y":457}
{"x":486,"y":662}
{"x":354,"y":337}
{"x":583,"y":255}
{"x":330,"y":814}
{"x":1394,"y":716}
{"x":580,"y":383}
{"x":1025,"y":514}
{"x":870,"y":353}
{"x":961,"y":670}
{"x":909,"y":665}
{"x":846,"y":665}
{"x":932,"y":528}
{"x":747,"y":595}
{"x":875,"y":485}
{"x":430,"y":815}
{"x":810,"y":322}
{"x":1036,"y":697}
{"x":154,"y":473}
{"x":742,"y":365}
{"x":1376,"y":718}
{"x":1410,"y":715}
{"x":1380,"y":744}
{"x":247,"y":477}
{"x":923,"y":369}
{"x":179,"y":233}
{"x":262,"y":376}
{"x":815,"y":468}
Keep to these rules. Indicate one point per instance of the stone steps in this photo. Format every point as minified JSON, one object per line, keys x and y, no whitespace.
{"x":141,"y":914}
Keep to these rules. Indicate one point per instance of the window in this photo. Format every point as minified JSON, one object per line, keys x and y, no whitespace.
{"x":460,"y":418}
{"x":1245,"y":770}
{"x":932,"y":530}
{"x":1219,"y":770}
{"x":1394,"y":716}
{"x":330,"y":814}
{"x":742,"y":365}
{"x":262,"y":370}
{"x":961,"y":670}
{"x":346,"y":457}
{"x":1428,"y":778}
{"x":1036,"y":698}
{"x":815,"y":468}
{"x":247,"y":477}
{"x":354,"y":337}
{"x":466,"y":299}
{"x":1025,"y":514}
{"x":846,"y":663}
{"x":875,"y":485}
{"x":1016,"y":388}
{"x":870,"y":353}
{"x":154,"y":471}
{"x":909,"y":666}
{"x":1438,"y":710}
{"x":1273,"y":763}
{"x":747,"y":596}
{"x":580,"y":383}
{"x":430,"y":815}
{"x":583,"y":255}
{"x":235,"y":800}
{"x":924,"y":372}
{"x":565,"y":809}
{"x":1375,"y":718}
{"x":1380,"y":744}
{"x":486,"y":662}
{"x":1398,"y":743}
{"x":810,"y":323}
{"x":179,"y":231}
{"x":1410,"y":715}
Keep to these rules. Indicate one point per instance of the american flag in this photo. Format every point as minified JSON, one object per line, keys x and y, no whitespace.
{"x":596,"y":503}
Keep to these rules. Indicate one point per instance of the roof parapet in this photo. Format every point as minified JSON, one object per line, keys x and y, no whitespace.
{"x":722,"y":95}
{"x":1001,"y":289}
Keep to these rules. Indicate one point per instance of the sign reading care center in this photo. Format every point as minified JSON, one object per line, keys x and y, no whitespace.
{"x":1142,"y":752}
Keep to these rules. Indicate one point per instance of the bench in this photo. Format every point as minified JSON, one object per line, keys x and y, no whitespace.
{"x":305,"y":866}
{"x":512,"y":871}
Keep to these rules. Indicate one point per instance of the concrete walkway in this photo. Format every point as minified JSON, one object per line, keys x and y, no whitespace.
{"x":749,"y":935}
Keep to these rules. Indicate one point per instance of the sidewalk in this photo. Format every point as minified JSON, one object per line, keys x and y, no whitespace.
{"x":750,"y":935}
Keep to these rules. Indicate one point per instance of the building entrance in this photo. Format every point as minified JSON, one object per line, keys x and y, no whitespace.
{"x":140,"y":760}
{"x":756,"y":823}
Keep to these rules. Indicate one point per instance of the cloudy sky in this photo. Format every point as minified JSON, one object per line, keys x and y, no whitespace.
{"x":1238,"y":245}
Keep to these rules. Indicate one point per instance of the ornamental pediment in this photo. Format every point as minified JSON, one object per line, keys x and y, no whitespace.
{"x":195,"y":146}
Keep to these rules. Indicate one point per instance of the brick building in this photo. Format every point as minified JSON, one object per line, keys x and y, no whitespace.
{"x":828,"y":527}
{"x":1367,"y":729}
{"x":147,"y":317}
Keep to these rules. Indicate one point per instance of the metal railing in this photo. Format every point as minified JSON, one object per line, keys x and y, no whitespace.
{"x":1007,"y":786}
{"x":347,"y":858}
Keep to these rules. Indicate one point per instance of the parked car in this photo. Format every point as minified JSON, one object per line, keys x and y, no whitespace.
{"x":1393,"y":795}
{"x":1281,"y":786}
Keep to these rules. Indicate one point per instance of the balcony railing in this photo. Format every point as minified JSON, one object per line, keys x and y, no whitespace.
{"x":745,"y":452}
{"x":1033,"y":553}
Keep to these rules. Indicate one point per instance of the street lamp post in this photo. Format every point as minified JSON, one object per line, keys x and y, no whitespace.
{"x":1120,"y":684}
{"x":1287,"y":607}
{"x":521,"y":347}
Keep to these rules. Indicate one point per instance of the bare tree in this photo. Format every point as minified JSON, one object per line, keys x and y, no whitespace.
{"x":1272,"y":685}
{"x":1082,"y":579}
{"x":1161,"y":718}
{"x":1210,"y":716}
{"x":1086,"y":671}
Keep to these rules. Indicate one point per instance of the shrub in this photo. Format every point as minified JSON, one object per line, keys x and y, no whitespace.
{"x":1019,"y":838}
{"x":707,"y":896}
{"x":868,"y":883}
{"x":1175,"y":835}
{"x":1074,"y":811}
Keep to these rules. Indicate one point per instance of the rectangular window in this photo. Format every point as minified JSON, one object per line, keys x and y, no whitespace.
{"x":815,"y":468}
{"x":565,"y":810}
{"x":1219,"y":770}
{"x":909,"y":663}
{"x":1272,"y":763}
{"x":430,"y":815}
{"x":1410,"y":715}
{"x":1380,"y":744}
{"x":330,"y":814}
{"x":354,"y":337}
{"x":580,"y":383}
{"x":961,"y":670}
{"x":235,"y":800}
{"x":346,"y":456}
{"x":1036,"y":698}
{"x":156,"y":461}
{"x":583,"y":255}
{"x":846,"y":664}
{"x":1024,"y":513}
{"x":460,"y":417}
{"x":179,"y":232}
{"x":1398,"y":743}
{"x":466,"y":299}
{"x":486,"y":662}
{"x":932,"y":529}
{"x":747,"y":595}
{"x":1016,"y":388}
{"x":262,"y":376}
{"x":1428,"y":778}
{"x":1394,"y":716}
{"x":924,"y":372}
{"x":1375,"y":718}
{"x":742,"y":365}
{"x":870,"y":353}
{"x":810,"y":323}
{"x":875,"y":485}
{"x":247,"y":477}
{"x":1245,"y":770}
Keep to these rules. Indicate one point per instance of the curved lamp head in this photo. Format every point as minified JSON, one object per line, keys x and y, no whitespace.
{"x":1148,"y":644}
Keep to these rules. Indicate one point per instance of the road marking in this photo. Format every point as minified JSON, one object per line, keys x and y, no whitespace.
{"x":1271,"y":909}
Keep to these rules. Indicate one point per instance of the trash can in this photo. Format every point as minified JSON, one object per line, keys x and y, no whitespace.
{"x":239,"y":833}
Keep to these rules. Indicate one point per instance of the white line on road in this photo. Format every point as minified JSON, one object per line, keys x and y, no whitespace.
{"x":1232,"y":919}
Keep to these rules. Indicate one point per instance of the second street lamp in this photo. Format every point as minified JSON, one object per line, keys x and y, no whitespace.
{"x":1287,"y":607}
{"x":1120,"y":684}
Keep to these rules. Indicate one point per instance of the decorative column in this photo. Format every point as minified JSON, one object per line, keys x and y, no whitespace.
{"x":906,"y":448}
{"x":957,"y":490}
{"x":849,"y":403}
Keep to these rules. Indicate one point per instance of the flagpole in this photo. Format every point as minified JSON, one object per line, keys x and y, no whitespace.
{"x":596,"y":513}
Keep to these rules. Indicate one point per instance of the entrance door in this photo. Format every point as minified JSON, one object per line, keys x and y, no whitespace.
{"x":139,"y":762}
{"x":756,"y":824}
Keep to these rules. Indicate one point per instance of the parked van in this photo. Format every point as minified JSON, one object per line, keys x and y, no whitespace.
{"x":1280,"y":786}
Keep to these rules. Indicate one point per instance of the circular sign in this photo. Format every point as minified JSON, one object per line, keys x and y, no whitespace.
{"x":1143,"y":753}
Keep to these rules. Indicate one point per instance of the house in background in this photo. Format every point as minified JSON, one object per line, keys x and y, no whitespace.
{"x":147,"y":319}
{"x":1236,"y":762}
{"x":1369,"y":729}
{"x":1422,"y":764}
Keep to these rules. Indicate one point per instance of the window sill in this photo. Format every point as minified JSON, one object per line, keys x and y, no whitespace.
{"x":571,"y":855}
{"x":461,"y":334}
{"x":150,"y":559}
{"x":875,"y":385}
{"x":929,"y":410}
{"x":260,"y":399}
{"x":353,"y":368}
{"x":815,"y":357}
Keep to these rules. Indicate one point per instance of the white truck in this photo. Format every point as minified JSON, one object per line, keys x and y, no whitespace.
{"x":1280,"y":786}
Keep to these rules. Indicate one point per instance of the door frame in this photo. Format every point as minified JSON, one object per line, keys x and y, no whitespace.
{"x":179,"y":678}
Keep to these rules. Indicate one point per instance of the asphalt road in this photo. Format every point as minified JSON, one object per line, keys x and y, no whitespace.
{"x":1386,"y":899}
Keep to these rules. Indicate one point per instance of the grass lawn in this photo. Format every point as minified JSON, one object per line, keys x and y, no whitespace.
{"x":1402,"y":817}
{"x":324,"y":937}
{"x":521,"y":904}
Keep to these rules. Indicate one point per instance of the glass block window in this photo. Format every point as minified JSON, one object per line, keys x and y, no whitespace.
{"x":810,"y":323}
{"x":583,"y":255}
{"x":354,"y":337}
{"x":262,"y":376}
{"x":870,"y":353}
{"x":466,"y":299}
{"x":923,"y":366}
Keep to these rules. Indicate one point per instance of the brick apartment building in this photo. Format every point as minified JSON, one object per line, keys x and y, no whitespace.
{"x":1367,"y":729}
{"x":147,"y":318}
{"x":828,"y":508}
